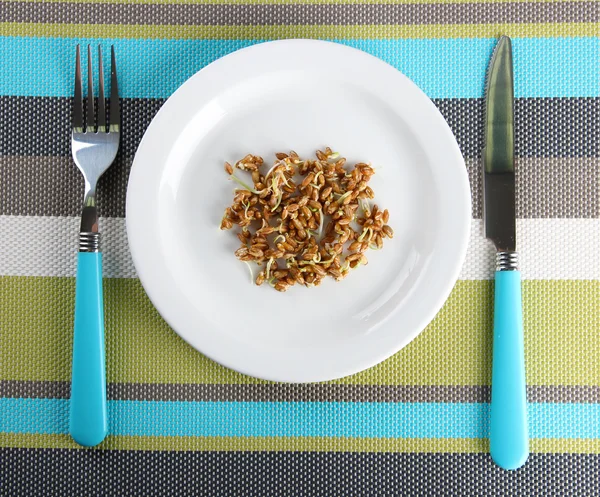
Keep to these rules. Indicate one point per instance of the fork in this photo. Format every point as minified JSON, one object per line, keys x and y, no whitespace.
{"x":94,"y":147}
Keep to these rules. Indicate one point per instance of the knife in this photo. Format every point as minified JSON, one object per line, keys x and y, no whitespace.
{"x":509,"y":442}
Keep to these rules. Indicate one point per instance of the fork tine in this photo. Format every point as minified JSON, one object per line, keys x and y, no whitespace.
{"x":101,"y":102}
{"x":90,"y":96}
{"x":115,"y":113}
{"x":78,"y":99}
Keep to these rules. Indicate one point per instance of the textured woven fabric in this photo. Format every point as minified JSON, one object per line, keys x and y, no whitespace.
{"x":416,"y":424}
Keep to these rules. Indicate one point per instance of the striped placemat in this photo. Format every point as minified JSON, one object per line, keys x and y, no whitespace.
{"x":416,"y":424}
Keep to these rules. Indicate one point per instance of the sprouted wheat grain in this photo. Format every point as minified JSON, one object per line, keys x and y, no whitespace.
{"x":300,"y":233}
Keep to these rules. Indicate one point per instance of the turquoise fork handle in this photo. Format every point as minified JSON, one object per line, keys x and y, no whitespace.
{"x":509,"y":442}
{"x":89,"y":420}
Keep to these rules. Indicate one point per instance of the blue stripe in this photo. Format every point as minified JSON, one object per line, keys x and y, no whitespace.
{"x":300,"y":419}
{"x":34,"y":415}
{"x":443,"y":68}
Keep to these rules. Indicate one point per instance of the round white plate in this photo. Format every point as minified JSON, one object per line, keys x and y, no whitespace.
{"x":297,"y":95}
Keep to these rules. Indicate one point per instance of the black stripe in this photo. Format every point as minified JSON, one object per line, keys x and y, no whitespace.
{"x":61,"y":472}
{"x":545,"y":127}
{"x":23,"y":117}
{"x":284,"y":392}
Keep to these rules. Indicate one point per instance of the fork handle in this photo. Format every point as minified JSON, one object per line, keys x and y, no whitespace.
{"x":509,"y":442}
{"x":89,"y":420}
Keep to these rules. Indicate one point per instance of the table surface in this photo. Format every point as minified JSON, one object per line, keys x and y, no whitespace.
{"x":416,"y":424}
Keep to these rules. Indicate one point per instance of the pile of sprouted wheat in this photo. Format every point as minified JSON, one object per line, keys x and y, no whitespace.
{"x":302,"y":232}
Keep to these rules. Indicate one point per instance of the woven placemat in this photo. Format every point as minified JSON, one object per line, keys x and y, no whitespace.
{"x":416,"y":424}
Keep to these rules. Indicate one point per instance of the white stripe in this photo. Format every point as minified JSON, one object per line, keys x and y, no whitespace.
{"x":548,"y":248}
{"x":47,"y":246}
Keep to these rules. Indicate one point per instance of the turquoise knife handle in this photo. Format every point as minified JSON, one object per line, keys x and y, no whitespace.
{"x":89,"y":420}
{"x":509,"y":442}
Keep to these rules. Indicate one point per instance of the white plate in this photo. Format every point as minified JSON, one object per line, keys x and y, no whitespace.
{"x":299,"y":95}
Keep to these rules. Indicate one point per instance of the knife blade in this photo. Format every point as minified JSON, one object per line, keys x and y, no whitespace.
{"x":509,"y":443}
{"x":498,"y":155}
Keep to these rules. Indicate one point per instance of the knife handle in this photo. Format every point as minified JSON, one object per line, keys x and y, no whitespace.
{"x":509,"y":442}
{"x":89,"y":419}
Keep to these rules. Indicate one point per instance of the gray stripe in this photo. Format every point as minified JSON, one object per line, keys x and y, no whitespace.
{"x":564,"y":393}
{"x":52,"y":186}
{"x":548,"y":188}
{"x":290,"y":14}
{"x":571,"y":127}
{"x":318,"y":392}
{"x":35,"y":389}
{"x":299,"y":393}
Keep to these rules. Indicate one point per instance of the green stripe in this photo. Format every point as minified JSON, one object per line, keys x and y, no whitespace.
{"x":395,"y":31}
{"x":316,"y":444}
{"x":561,"y":329}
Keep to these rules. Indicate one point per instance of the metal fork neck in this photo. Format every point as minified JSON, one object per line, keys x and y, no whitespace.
{"x":507,"y":261}
{"x":89,"y":242}
{"x":89,"y":237}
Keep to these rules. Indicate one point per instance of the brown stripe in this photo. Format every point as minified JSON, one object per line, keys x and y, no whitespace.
{"x":318,"y":392}
{"x":52,"y":186}
{"x":300,"y":14}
